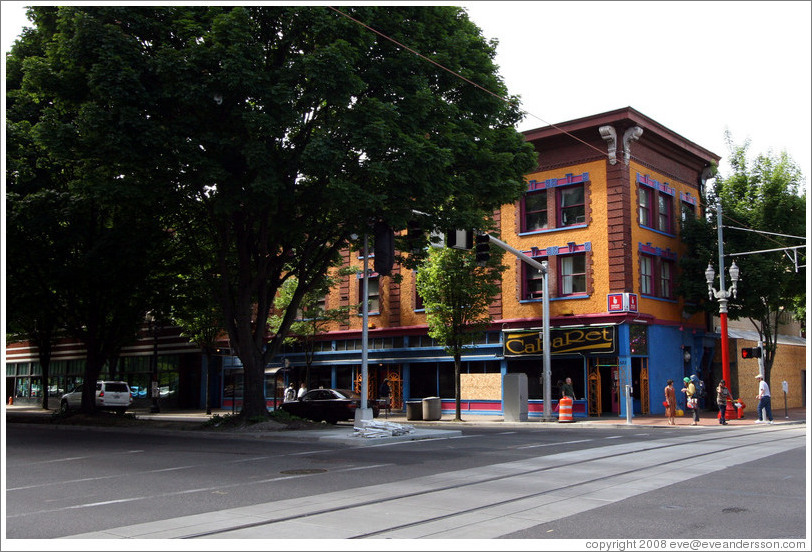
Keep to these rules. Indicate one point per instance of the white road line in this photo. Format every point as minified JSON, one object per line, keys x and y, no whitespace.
{"x":555,"y":444}
{"x":191,"y":491}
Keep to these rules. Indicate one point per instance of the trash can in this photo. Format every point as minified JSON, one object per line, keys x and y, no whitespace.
{"x":414,"y":410}
{"x":432,"y":409}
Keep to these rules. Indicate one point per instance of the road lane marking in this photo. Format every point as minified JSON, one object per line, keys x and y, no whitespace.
{"x":555,"y":444}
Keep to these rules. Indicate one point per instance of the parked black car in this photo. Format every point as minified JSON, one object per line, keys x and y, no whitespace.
{"x":330,"y":405}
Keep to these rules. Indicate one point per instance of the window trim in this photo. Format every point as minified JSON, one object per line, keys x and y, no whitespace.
{"x":563,"y":276}
{"x":656,"y":194}
{"x":554,"y":207}
{"x":527,"y":271}
{"x":658,"y":258}
{"x":373,"y":276}
{"x":524,"y":211}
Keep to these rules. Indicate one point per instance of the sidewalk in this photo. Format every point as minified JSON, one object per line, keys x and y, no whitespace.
{"x":707,"y":418}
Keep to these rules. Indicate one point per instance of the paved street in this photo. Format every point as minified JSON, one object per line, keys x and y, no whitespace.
{"x":482,"y":481}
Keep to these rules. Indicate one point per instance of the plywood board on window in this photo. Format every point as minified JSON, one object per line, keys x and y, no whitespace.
{"x":481,"y":387}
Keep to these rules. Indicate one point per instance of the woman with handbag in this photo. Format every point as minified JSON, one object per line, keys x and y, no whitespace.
{"x":690,"y":400}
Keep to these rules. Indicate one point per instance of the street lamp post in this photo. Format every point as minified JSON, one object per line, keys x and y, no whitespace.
{"x":722,"y":296}
{"x":154,"y":389}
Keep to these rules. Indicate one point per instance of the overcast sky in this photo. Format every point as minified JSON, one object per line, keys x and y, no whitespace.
{"x":698,"y":68}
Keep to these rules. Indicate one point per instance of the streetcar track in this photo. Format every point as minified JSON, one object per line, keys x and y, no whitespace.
{"x":490,"y":480}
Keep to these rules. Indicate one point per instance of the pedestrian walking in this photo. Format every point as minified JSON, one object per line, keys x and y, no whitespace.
{"x":691,"y":401}
{"x":302,"y":390}
{"x":290,"y":393}
{"x":763,"y":400}
{"x":670,"y":401}
{"x":722,"y":396}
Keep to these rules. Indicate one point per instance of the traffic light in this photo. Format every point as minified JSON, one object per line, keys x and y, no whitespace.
{"x":751,"y":352}
{"x":384,"y":248}
{"x":483,"y":249}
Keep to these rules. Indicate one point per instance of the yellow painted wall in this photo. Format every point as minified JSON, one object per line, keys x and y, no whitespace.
{"x":595,"y":232}
{"x":664,"y":310}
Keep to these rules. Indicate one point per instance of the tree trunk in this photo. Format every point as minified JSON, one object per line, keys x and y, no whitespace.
{"x":93,"y":365}
{"x":46,"y":368}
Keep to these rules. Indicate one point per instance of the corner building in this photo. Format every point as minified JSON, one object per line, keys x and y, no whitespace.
{"x":603,"y":208}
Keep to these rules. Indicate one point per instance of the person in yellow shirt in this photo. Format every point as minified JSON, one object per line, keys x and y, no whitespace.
{"x":691,"y":401}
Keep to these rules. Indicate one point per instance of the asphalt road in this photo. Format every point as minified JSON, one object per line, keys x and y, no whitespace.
{"x":525,"y":483}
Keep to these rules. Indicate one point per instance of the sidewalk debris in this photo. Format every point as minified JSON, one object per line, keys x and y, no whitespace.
{"x":378,"y":428}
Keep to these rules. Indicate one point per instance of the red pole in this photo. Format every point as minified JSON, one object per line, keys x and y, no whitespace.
{"x":730,"y":411}
{"x":725,"y":350}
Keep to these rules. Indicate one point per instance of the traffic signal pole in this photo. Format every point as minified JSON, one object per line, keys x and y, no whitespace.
{"x":545,"y":325}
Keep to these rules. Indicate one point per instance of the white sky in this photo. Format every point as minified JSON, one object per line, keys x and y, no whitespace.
{"x":698,"y":68}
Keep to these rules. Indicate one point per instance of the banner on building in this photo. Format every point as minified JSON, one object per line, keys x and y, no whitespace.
{"x":588,"y":340}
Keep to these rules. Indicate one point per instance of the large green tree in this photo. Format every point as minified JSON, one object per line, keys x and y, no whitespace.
{"x":763,"y":206}
{"x":286,"y":129}
{"x":86,"y":248}
{"x":457,"y":294}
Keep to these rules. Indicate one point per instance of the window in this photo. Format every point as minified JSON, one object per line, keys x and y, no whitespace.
{"x":656,"y":276}
{"x":665,"y":279}
{"x":314,"y":311}
{"x":646,"y":275}
{"x":418,"y":299}
{"x":535,"y":211}
{"x":374,"y":295}
{"x":573,"y":274}
{"x":571,"y":205}
{"x":554,"y":203}
{"x":533,"y":283}
{"x":687,"y":211}
{"x":655,"y":204}
{"x":645,"y":206}
{"x":664,"y":205}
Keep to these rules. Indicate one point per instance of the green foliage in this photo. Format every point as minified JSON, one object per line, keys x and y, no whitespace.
{"x":457,"y":294}
{"x":765,"y":194}
{"x":264,"y":136}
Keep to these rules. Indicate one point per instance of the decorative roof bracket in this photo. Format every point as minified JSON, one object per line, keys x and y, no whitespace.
{"x":632,"y":133}
{"x":608,"y":133}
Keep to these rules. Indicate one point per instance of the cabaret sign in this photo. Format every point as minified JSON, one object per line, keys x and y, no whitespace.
{"x":562,"y":341}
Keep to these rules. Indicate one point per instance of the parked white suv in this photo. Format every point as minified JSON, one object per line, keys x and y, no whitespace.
{"x":110,"y":395}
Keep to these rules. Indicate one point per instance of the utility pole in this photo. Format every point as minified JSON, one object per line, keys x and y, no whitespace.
{"x":545,"y":324}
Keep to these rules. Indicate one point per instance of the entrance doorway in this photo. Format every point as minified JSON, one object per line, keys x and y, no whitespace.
{"x":603,"y":382}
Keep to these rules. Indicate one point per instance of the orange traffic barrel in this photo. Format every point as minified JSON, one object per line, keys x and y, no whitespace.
{"x":565,"y":409}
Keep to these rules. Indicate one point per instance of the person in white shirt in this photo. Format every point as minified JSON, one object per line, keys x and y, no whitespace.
{"x":302,"y":390}
{"x":763,"y":400}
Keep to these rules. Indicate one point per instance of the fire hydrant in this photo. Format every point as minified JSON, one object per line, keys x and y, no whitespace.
{"x":739,"y":404}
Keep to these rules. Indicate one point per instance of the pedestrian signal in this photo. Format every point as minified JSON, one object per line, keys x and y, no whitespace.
{"x":751,"y":352}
